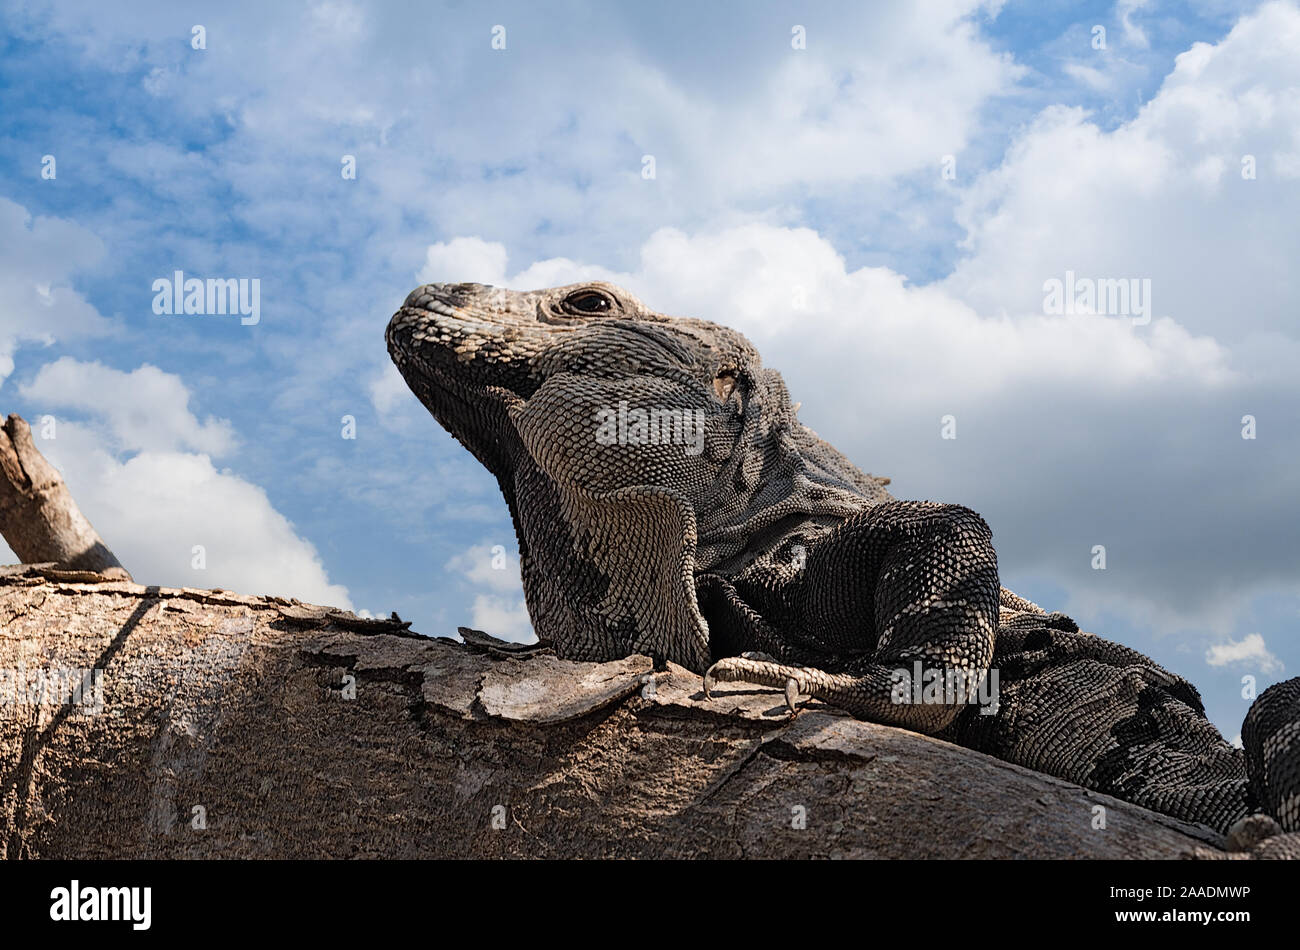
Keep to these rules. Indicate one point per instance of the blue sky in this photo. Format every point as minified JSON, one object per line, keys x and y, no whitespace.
{"x":777,"y":169}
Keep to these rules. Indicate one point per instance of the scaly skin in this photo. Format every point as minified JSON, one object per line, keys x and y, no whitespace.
{"x":668,"y":501}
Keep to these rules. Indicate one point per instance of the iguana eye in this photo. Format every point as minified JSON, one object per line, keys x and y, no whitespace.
{"x":588,"y":301}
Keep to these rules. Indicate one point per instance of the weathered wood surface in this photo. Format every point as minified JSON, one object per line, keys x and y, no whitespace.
{"x":38,"y":517}
{"x":297,"y":731}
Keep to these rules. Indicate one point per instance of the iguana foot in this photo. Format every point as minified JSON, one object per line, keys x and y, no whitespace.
{"x":838,"y":689}
{"x":757,"y":668}
{"x":871,"y":691}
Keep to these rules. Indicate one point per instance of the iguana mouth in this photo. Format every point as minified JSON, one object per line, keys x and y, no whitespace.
{"x":435,"y":340}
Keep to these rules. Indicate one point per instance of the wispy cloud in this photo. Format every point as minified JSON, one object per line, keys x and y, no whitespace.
{"x":1249,"y":650}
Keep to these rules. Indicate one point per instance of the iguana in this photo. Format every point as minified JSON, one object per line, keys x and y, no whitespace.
{"x":668,"y":501}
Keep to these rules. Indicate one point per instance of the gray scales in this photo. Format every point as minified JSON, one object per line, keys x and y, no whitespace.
{"x":668,"y":502}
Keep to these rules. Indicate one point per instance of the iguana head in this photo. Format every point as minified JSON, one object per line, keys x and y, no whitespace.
{"x":636,"y":451}
{"x":470,"y":352}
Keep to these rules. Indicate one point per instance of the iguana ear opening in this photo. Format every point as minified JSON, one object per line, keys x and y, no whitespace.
{"x":641,"y":537}
{"x":724,"y":384}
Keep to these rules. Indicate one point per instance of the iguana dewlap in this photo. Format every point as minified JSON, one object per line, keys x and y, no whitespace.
{"x":668,"y":501}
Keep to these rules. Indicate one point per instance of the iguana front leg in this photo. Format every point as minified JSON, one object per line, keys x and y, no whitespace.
{"x":903,"y":601}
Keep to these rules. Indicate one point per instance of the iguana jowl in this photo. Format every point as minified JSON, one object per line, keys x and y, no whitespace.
{"x":668,"y":501}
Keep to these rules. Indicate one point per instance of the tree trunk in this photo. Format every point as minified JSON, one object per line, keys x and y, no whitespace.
{"x":38,"y":517}
{"x":226,"y":726}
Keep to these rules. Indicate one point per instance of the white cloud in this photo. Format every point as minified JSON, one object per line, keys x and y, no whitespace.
{"x":1251,"y":649}
{"x":1160,"y":197}
{"x":502,"y":612}
{"x":155,"y":507}
{"x":388,"y":390}
{"x":493,"y":566}
{"x":338,"y":20}
{"x":1134,"y":35}
{"x":880,"y":91}
{"x":502,"y":617}
{"x":146,"y":409}
{"x":151,"y":509}
{"x":37,"y":305}
{"x":159,"y":81}
{"x":464,"y":260}
{"x":1090,"y":75}
{"x":906,"y":90}
{"x":790,"y":287}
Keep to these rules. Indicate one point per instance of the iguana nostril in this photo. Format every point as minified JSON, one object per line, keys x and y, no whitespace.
{"x":442,"y":297}
{"x":415,"y":299}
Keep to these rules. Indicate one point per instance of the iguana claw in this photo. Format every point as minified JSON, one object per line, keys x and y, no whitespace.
{"x":753,"y":667}
{"x":791,"y":693}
